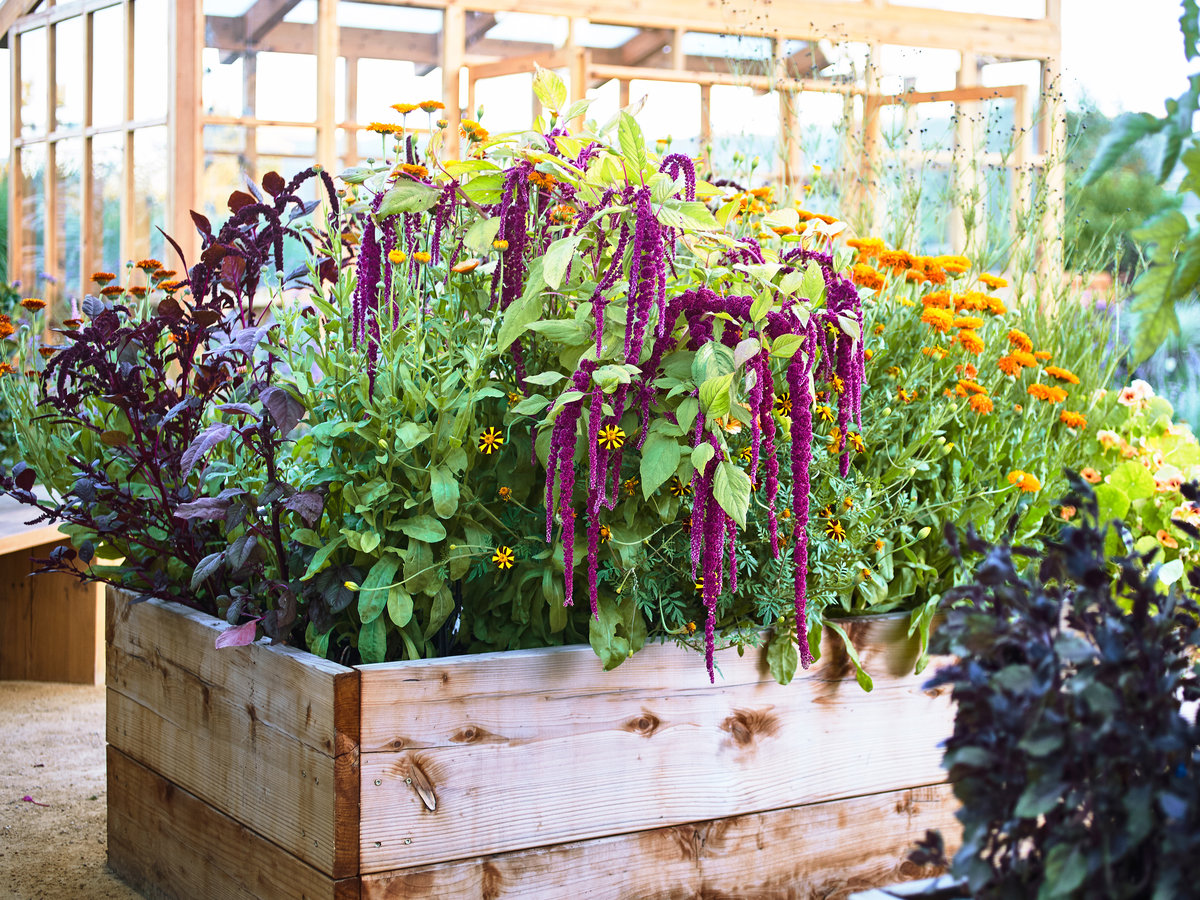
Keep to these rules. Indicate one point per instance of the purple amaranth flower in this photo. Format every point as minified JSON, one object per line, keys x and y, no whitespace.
{"x":798,"y":374}
{"x":714,"y":530}
{"x":731,"y":537}
{"x":676,"y":163}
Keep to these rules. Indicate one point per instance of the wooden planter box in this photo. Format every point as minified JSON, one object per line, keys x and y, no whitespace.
{"x":261,"y":772}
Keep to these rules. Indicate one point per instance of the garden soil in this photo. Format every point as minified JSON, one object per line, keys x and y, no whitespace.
{"x":52,"y":751}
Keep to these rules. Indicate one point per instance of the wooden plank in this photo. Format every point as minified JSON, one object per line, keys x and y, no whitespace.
{"x":327,"y":41}
{"x":819,"y":851}
{"x":169,"y":843}
{"x":541,"y":760}
{"x":185,"y":160}
{"x":267,"y":735}
{"x":453,"y":46}
{"x":52,"y":625}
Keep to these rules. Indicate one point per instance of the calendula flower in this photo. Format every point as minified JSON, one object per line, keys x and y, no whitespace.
{"x":954,"y":264}
{"x":1015,"y":476}
{"x":939,"y":352}
{"x":896,"y":260}
{"x":783,"y":403}
{"x":504,"y":493}
{"x":172,"y":286}
{"x":970,"y":341}
{"x":503,"y":558}
{"x":1072,"y":419}
{"x":422,"y":257}
{"x":47,"y":352}
{"x":500,"y":245}
{"x":431,"y":106}
{"x":995,"y":306}
{"x":103,"y":278}
{"x":384,"y":128}
{"x":1043,"y":356}
{"x":491,"y":440}
{"x":33,"y":304}
{"x":1061,"y":374}
{"x":938,"y":319}
{"x":1009,"y":366}
{"x":404,"y":108}
{"x":112,"y":290}
{"x":72,"y":324}
{"x":1047,"y":392}
{"x":866,"y":276}
{"x":1029,"y":484}
{"x":936,"y":300}
{"x":397,"y":257}
{"x":162,"y":274}
{"x":6,"y":329}
{"x":835,"y":530}
{"x":1020,"y":340}
{"x":442,"y":123}
{"x":137,"y":290}
{"x":149,"y":265}
{"x":993,"y":281}
{"x":879,"y":328}
{"x":605,"y":534}
{"x":414,"y":170}
{"x":824,"y":413}
{"x":856,"y":441}
{"x":967,"y":322}
{"x":679,"y":488}
{"x":465,"y":266}
{"x":563,"y":213}
{"x":981,"y":403}
{"x":611,"y":437}
{"x":542,"y":179}
{"x":630,"y":486}
{"x":1028,"y":360}
{"x":835,"y":440}
{"x":690,"y":627}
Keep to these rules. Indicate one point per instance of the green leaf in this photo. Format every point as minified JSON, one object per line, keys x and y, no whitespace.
{"x":1040,"y":797}
{"x":399,"y":605}
{"x":373,"y":593}
{"x":408,"y":197}
{"x":701,"y":455}
{"x":523,"y":311}
{"x":731,"y":489}
{"x":420,"y":575}
{"x":688,"y":215}
{"x":1133,"y":479}
{"x":322,"y":556}
{"x":423,"y":528}
{"x":545,"y":379}
{"x":549,"y":89}
{"x":786,"y":345}
{"x":631,"y":142}
{"x":714,"y":395}
{"x":530,"y":406}
{"x":443,"y":606}
{"x":372,"y":641}
{"x":813,"y":285}
{"x":444,"y":488}
{"x":1125,"y":132}
{"x":487,"y":188}
{"x":782,"y":657}
{"x":860,"y":674}
{"x":1111,"y":502}
{"x":1066,"y":869}
{"x":660,"y":459}
{"x":558,"y":257}
{"x":617,"y":631}
{"x":479,"y":236}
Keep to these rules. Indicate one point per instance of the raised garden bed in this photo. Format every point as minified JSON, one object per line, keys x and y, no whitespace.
{"x":263,"y":771}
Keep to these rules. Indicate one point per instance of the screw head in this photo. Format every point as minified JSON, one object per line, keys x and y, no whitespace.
{"x":378,"y":782}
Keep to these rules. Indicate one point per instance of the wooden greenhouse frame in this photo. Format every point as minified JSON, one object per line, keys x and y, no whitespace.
{"x":466,"y":55}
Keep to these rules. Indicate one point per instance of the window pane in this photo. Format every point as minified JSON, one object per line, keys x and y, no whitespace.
{"x":33,"y":82}
{"x":68,"y":73}
{"x":108,"y":166}
{"x":150,"y":39}
{"x":149,"y":192}
{"x":68,"y":163}
{"x":222,"y":85}
{"x":287,"y":87}
{"x":108,"y":67}
{"x":33,"y":219}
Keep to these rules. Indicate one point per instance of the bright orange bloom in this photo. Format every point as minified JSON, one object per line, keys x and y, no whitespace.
{"x":996,"y":306}
{"x":1009,"y":366}
{"x":866,"y":276}
{"x":981,"y":404}
{"x":404,"y":108}
{"x":1015,"y":476}
{"x":938,"y":319}
{"x":939,"y":352}
{"x":1062,"y":374}
{"x":1020,"y":340}
{"x":896,"y":260}
{"x":431,"y":105}
{"x":1072,"y":419}
{"x":993,"y":281}
{"x":1043,"y":355}
{"x":1024,"y":358}
{"x":971,"y":342}
{"x":1090,"y":475}
{"x":1047,"y":392}
{"x":968,"y":322}
{"x":1029,"y":484}
{"x":33,"y":304}
{"x":939,"y":299}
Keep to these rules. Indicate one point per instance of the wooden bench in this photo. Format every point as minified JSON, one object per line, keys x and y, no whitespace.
{"x":51,"y":626}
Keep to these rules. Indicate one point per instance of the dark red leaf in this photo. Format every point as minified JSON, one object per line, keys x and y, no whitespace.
{"x":239,"y":199}
{"x":273,"y":183}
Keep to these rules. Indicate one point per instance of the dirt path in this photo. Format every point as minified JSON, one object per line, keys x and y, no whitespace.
{"x":52,"y":750}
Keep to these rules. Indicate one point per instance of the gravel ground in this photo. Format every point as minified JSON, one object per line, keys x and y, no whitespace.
{"x":52,"y":751}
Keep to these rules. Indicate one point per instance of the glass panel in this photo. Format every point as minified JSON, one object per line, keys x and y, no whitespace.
{"x":287,"y":141}
{"x":506,"y":103}
{"x":382,"y":82}
{"x":108,"y":167}
{"x":222,"y":85}
{"x":68,"y":164}
{"x":108,"y":67}
{"x":150,"y":40}
{"x":224,"y":139}
{"x":744,"y":123}
{"x":5,"y":121}
{"x":68,"y":73}
{"x":286,"y":87}
{"x":32,"y":263}
{"x":671,"y":115}
{"x":222,"y":176}
{"x":33,"y":82}
{"x":149,"y":191}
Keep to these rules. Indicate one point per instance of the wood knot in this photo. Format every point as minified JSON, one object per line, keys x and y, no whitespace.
{"x":744,"y":725}
{"x":645,"y":724}
{"x":251,"y":712}
{"x":397,"y":744}
{"x":471,"y":734}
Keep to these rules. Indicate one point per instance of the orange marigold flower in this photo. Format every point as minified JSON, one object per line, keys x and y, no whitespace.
{"x":1009,"y":366}
{"x":404,"y":108}
{"x":149,"y":265}
{"x":971,"y":342}
{"x":995,"y":306}
{"x":542,"y":179}
{"x":1047,"y":392}
{"x":868,"y":248}
{"x":160,"y":274}
{"x":1020,"y":340}
{"x":7,"y":369}
{"x":896,"y":260}
{"x":914,"y":275}
{"x":384,"y":128}
{"x":939,"y":352}
{"x":1072,"y":419}
{"x":971,"y":300}
{"x":430,"y":106}
{"x":422,"y":257}
{"x":137,"y":291}
{"x":72,"y":324}
{"x":835,"y":440}
{"x":397,"y":257}
{"x":954,"y":264}
{"x":1015,"y":476}
{"x":1029,"y":484}
{"x":563,"y":213}
{"x":938,"y":299}
{"x":415,"y":170}
{"x":856,"y":441}
{"x":866,"y":276}
{"x":33,"y":304}
{"x":6,"y":329}
{"x":1062,"y":374}
{"x":112,"y":290}
{"x":171,"y":286}
{"x":993,"y":281}
{"x":1026,"y":359}
{"x":906,"y":396}
{"x":981,"y":403}
{"x":103,"y":278}
{"x":972,"y":387}
{"x":1043,"y":355}
{"x":879,"y":328}
{"x":47,"y":352}
{"x":937,"y":319}
{"x":968,"y":322}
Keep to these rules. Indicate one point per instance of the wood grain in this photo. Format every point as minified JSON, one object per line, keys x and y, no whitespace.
{"x":52,"y":625}
{"x":582,"y":754}
{"x":169,"y":843}
{"x":267,"y":735}
{"x":821,"y":851}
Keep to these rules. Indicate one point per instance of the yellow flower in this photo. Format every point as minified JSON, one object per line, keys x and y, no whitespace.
{"x":404,"y":108}
{"x":826,"y":414}
{"x":397,"y":257}
{"x":783,"y":403}
{"x":971,"y":342}
{"x":1061,"y":374}
{"x":430,"y":106}
{"x":700,"y":585}
{"x":690,"y":627}
{"x":938,"y":319}
{"x":838,"y":385}
{"x":1020,"y":340}
{"x":605,"y":534}
{"x":611,"y":437}
{"x":1072,"y":419}
{"x":1047,"y":392}
{"x":500,"y":245}
{"x":422,"y":257}
{"x":33,"y":304}
{"x":503,"y":558}
{"x":630,"y":486}
{"x":679,"y":488}
{"x":491,"y":440}
{"x":1015,"y":476}
{"x":383,"y":128}
{"x":856,"y":441}
{"x":981,"y":403}
{"x":1029,"y":484}
{"x":513,"y":398}
{"x":415,"y":170}
{"x":835,"y":530}
{"x":505,"y":493}
{"x":993,"y":281}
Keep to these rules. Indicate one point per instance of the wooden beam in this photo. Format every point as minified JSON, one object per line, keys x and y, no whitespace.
{"x":351,"y":137}
{"x":185,"y":160}
{"x":547,"y":59}
{"x":16,"y":225}
{"x":12,"y":10}
{"x":706,"y":123}
{"x":643,"y":46}
{"x":765,"y":82}
{"x":264,"y":15}
{"x":328,"y":35}
{"x":963,"y":94}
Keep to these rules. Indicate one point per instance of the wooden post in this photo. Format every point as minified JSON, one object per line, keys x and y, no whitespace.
{"x":127,"y":194}
{"x":249,"y":111}
{"x":184,"y":158}
{"x":351,"y":134}
{"x":454,"y":42}
{"x":327,"y":54}
{"x":706,"y":134}
{"x":622,"y":92}
{"x":1022,"y":151}
{"x":966,"y":180}
{"x":53,"y":293}
{"x":869,"y":210}
{"x":1054,"y":140}
{"x":788,"y":120}
{"x":87,"y":231}
{"x":678,"y":61}
{"x":578,"y":58}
